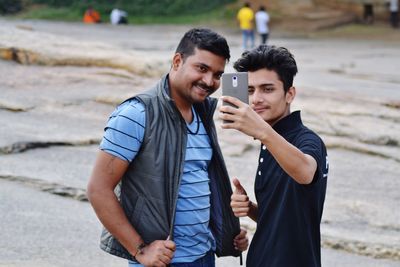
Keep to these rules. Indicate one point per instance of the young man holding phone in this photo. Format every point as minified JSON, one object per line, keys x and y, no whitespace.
{"x":291,"y":178}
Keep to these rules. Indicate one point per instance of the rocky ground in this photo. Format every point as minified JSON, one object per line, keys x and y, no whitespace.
{"x":60,"y":81}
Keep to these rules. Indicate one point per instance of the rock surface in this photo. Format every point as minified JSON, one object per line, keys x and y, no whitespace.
{"x":53,"y":115}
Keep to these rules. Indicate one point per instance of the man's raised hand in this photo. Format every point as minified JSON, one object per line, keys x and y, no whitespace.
{"x":240,"y":202}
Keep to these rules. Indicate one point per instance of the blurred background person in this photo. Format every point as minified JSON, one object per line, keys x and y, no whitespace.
{"x":262,"y":20}
{"x":394,"y":13}
{"x":118,"y":16}
{"x":368,"y":12}
{"x":91,"y":16}
{"x":245,"y":17}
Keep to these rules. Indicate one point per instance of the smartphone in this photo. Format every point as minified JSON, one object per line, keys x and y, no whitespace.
{"x":236,"y":85}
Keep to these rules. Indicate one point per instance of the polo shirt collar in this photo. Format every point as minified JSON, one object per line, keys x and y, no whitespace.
{"x":289,"y":123}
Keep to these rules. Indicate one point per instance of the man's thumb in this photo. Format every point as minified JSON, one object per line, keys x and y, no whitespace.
{"x":239,"y":188}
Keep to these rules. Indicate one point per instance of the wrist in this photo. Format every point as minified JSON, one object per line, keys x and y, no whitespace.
{"x":263,"y":134}
{"x":253,"y":210}
{"x":250,"y":204}
{"x":139,"y":249}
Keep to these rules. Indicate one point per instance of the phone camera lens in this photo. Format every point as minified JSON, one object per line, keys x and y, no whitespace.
{"x":234,"y":77}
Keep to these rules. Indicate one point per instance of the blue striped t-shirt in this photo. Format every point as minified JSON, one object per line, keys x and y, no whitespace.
{"x":123,"y":137}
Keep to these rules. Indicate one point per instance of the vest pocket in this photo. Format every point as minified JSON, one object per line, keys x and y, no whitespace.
{"x":137,"y":212}
{"x":148,"y":219}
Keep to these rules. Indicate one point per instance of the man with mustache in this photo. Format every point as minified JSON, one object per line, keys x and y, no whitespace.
{"x":292,"y":173}
{"x":161,"y":156}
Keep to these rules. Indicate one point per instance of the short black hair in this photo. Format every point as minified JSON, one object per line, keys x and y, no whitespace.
{"x":204,"y":39}
{"x":277,"y":59}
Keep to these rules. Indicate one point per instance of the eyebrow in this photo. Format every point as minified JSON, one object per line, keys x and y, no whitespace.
{"x":219,"y":73}
{"x":209,"y":68}
{"x":262,"y":85}
{"x":203,"y":65}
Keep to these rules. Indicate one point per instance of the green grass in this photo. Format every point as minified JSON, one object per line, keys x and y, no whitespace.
{"x":218,"y":17}
{"x":51,"y":13}
{"x":223,"y":16}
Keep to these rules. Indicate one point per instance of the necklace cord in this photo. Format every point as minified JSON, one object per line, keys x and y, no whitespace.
{"x":198,"y":125}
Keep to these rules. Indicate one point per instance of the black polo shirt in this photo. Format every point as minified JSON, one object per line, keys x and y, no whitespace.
{"x":289,"y":214}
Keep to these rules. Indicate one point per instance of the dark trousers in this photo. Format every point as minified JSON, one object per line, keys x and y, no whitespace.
{"x":394,"y":19}
{"x":206,"y":261}
{"x":368,"y":13}
{"x":264,"y":38}
{"x":123,"y":20}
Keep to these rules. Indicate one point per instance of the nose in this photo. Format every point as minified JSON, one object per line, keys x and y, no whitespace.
{"x":256,"y":97}
{"x":208,"y":79}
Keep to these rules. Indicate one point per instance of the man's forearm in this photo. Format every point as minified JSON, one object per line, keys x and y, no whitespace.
{"x":294,"y":162}
{"x":112,"y":216}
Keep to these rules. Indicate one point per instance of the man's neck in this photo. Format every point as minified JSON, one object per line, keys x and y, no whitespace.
{"x":287,"y":113}
{"x":183,"y":106}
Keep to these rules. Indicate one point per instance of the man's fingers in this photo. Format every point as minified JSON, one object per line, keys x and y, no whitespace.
{"x":165,"y":260}
{"x":238,"y":187}
{"x":241,"y":241}
{"x":232,"y":100}
{"x":240,"y":210}
{"x":242,"y":234}
{"x":170,"y":245}
{"x":240,"y":199}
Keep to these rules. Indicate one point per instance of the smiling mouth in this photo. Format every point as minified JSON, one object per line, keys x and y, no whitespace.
{"x":204,"y":89}
{"x":259,"y":110}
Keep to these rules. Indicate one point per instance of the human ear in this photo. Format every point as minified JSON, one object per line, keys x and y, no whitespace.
{"x":290,"y":94}
{"x":176,"y":61}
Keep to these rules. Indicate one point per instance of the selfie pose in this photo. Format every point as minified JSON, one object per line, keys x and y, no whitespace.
{"x":159,"y":185}
{"x":292,"y":173}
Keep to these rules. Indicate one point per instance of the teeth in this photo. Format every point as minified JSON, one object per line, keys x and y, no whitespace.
{"x":204,"y":89}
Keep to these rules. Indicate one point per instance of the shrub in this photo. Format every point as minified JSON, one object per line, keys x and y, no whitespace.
{"x":10,"y":6}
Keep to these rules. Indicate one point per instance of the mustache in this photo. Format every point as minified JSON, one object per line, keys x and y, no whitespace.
{"x":204,"y":86}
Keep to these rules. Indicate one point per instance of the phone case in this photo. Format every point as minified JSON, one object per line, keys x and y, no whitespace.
{"x":236,"y":85}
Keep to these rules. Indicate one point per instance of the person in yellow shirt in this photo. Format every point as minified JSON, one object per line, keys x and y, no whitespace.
{"x":245,"y":17}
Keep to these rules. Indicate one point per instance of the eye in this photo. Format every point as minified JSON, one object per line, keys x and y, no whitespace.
{"x":268,"y":89}
{"x":250,"y":91}
{"x":202,"y":68}
{"x":218,"y":76}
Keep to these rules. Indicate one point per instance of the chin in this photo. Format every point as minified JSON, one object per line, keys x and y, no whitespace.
{"x":264,"y":116}
{"x":199,"y":99}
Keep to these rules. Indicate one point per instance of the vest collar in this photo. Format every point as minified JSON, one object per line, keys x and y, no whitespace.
{"x":205,"y":109}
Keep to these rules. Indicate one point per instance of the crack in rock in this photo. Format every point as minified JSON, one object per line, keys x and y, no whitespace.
{"x":18,"y":55}
{"x":14,"y":108}
{"x":142,"y":65}
{"x":378,"y":251}
{"x":361,"y":150}
{"x":53,"y":188}
{"x":24,"y":146}
{"x":394,"y":105}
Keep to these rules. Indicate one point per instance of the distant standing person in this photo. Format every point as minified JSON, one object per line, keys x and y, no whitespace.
{"x":245,"y":17}
{"x":118,"y":16}
{"x":368,"y":12}
{"x":394,"y":13}
{"x":262,"y":20}
{"x":291,"y":179}
{"x":91,"y":16}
